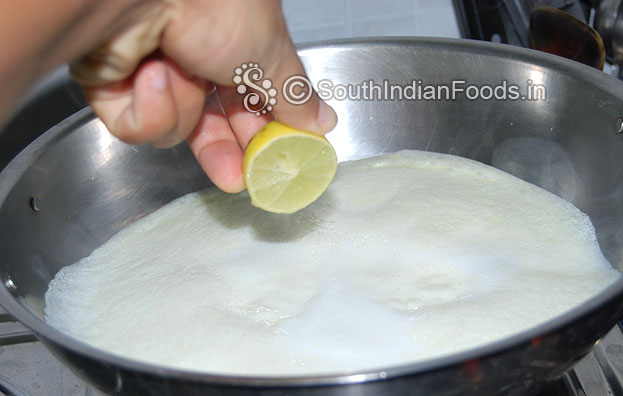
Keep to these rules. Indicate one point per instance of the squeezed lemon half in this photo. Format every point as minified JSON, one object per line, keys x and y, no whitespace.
{"x":286,"y":169}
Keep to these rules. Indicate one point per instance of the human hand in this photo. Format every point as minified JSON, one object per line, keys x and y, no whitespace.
{"x":156,"y":79}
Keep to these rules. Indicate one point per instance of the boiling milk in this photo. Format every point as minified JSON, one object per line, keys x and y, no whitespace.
{"x":406,"y":257}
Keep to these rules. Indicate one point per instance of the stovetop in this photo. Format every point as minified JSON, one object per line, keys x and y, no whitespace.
{"x":28,"y":369}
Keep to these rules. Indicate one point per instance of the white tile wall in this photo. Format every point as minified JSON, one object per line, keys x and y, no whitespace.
{"x":311,"y":20}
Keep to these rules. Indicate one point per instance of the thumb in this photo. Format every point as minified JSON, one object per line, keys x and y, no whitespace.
{"x":298,"y":105}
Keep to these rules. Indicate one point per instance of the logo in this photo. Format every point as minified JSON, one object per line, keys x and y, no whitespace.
{"x":297,"y":90}
{"x":260,"y":96}
{"x":263,"y":96}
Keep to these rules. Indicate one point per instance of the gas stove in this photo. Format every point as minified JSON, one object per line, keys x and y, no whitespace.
{"x":28,"y":369}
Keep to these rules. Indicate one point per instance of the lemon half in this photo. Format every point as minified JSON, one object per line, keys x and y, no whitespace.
{"x":286,"y":169}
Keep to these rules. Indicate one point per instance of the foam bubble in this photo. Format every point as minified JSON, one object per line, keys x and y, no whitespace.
{"x":402,"y":250}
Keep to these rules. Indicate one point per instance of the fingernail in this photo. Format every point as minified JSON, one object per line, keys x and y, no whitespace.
{"x":326,"y":117}
{"x":158,"y":78}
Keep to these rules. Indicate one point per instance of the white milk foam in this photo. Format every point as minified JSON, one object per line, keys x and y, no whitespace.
{"x":406,"y":257}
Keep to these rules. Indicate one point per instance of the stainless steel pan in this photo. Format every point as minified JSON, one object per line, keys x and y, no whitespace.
{"x":75,"y":186}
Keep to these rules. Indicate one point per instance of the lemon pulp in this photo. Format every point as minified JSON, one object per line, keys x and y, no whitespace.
{"x":286,"y":169}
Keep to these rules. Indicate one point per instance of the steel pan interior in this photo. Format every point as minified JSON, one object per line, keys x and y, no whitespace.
{"x":76,"y":186}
